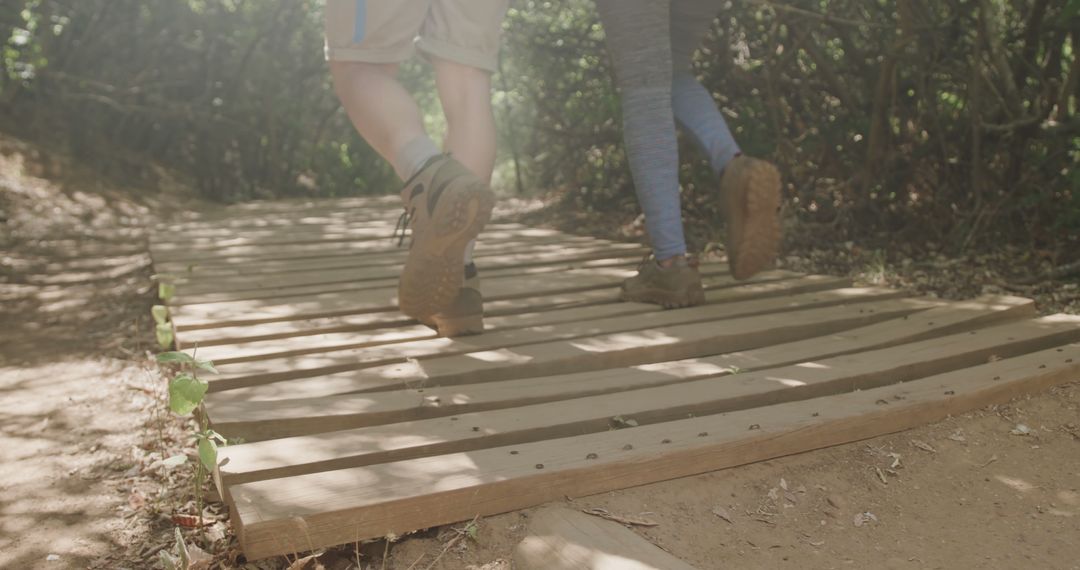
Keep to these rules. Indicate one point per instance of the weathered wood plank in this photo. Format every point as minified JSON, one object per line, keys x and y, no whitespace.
{"x":287,"y":263}
{"x":298,"y":513}
{"x":258,"y":420}
{"x":708,"y":394}
{"x":565,"y":539}
{"x":371,"y":237}
{"x":724,"y":305}
{"x":506,"y":309}
{"x":301,"y":306}
{"x":217,"y":289}
{"x":241,"y":267}
{"x":557,"y":323}
{"x":409,"y":404}
{"x":298,"y":305}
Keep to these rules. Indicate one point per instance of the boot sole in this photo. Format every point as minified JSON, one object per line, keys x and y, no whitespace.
{"x":451,"y":327}
{"x":435,"y":268}
{"x":755,"y":225}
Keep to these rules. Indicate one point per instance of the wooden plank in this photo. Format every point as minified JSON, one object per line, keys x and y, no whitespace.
{"x":565,"y":539}
{"x":300,"y":306}
{"x":279,"y":262}
{"x":376,"y":237}
{"x":409,"y":404}
{"x":724,"y":306}
{"x":196,"y":289}
{"x":707,"y":394}
{"x":279,"y":213}
{"x":345,"y":345}
{"x":303,"y":305}
{"x":310,"y":511}
{"x":212,"y":335}
{"x":258,"y":420}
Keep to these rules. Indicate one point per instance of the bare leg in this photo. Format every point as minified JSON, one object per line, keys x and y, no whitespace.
{"x":465,"y":93}
{"x":381,"y":109}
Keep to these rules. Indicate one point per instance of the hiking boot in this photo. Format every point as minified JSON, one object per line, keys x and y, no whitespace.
{"x":446,"y":206}
{"x":751,"y":190}
{"x":672,"y":288}
{"x":465,"y":315}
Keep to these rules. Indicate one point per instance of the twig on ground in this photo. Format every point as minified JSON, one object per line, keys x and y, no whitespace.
{"x":461,"y":534}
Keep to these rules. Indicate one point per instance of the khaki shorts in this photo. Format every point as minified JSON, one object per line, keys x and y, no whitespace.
{"x":386,"y":31}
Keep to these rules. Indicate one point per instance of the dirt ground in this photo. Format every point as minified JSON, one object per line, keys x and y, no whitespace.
{"x":83,"y":433}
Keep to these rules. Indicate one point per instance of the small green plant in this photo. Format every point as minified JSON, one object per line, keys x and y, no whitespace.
{"x":163,"y":329}
{"x":186,"y":393}
{"x":166,"y":286}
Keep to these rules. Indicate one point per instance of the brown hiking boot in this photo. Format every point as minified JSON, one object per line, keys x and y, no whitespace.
{"x":675,"y":287}
{"x":465,"y":315}
{"x":751,"y":190}
{"x":446,"y":206}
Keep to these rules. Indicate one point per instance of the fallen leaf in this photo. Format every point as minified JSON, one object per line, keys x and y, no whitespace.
{"x":1021,"y":429}
{"x":302,"y":563}
{"x":895,"y":461}
{"x":186,"y":521}
{"x":923,"y":446}
{"x":722,"y":513}
{"x":863,"y":518}
{"x":783,"y":484}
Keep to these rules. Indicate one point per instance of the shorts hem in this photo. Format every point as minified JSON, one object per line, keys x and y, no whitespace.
{"x":360,"y":55}
{"x":439,"y":49}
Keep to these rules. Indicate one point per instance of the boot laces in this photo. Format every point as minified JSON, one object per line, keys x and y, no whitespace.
{"x":401,"y":230}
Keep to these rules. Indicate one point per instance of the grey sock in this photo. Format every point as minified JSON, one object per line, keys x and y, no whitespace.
{"x":414,"y":155}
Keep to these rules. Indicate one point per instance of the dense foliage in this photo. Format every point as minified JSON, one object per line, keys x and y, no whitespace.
{"x":951,"y":121}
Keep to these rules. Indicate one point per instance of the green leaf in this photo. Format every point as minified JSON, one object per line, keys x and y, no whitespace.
{"x":166,"y":291}
{"x":206,"y":365}
{"x":175,"y":461}
{"x":1072,"y":9}
{"x":208,"y":453}
{"x":164,"y":335}
{"x":211,"y":434}
{"x":175,"y":356}
{"x":160,"y":313}
{"x":185,"y":393}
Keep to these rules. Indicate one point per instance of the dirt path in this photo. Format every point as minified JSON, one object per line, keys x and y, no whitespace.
{"x":83,"y":436}
{"x":77,"y":389}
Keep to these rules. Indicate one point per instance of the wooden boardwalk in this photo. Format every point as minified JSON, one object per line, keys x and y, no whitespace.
{"x":358,"y":422}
